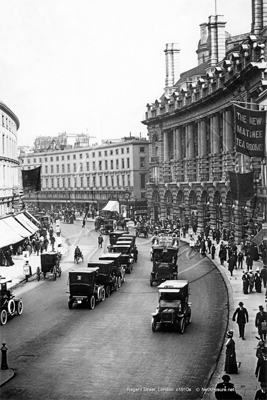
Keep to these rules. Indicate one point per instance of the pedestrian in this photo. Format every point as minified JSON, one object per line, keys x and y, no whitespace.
{"x":230,"y":366}
{"x":209,"y":243}
{"x":257,"y":279}
{"x":261,"y":323}
{"x":245,"y":279}
{"x":83,"y":225}
{"x":213,"y":250}
{"x":222,"y":254}
{"x":135,"y":253}
{"x":226,"y":390}
{"x":203,"y":247}
{"x":261,"y":394}
{"x":249,"y":261}
{"x":240,"y":258}
{"x":251,"y":281}
{"x":100,"y":241}
{"x":231,"y":264}
{"x":242,"y":319}
{"x":261,"y":369}
{"x":264,"y":276}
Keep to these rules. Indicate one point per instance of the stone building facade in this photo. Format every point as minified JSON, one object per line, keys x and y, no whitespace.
{"x":191,"y":131}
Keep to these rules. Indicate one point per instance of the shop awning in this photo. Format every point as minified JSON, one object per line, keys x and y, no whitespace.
{"x":260,"y":236}
{"x":8,"y":235}
{"x":32,"y":218}
{"x":14,"y":224}
{"x":23,"y":220}
{"x":112,"y":206}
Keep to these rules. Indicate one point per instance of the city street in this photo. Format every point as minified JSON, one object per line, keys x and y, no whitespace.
{"x":111,"y":352}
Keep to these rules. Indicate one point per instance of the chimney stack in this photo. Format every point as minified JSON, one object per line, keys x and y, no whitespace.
{"x":216,"y":28}
{"x":172,"y":57}
{"x":259,"y":16}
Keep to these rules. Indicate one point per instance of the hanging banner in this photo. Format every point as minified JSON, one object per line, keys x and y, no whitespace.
{"x":241,"y":185}
{"x":31,"y":179}
{"x":250,"y":126}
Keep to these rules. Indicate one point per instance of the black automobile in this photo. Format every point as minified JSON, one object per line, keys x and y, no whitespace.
{"x":10,"y":305}
{"x":117,"y":268}
{"x":126,"y":255}
{"x":106,"y":275}
{"x":84,"y":289}
{"x":174,"y":309}
{"x":113,"y":236}
{"x":165,"y":265}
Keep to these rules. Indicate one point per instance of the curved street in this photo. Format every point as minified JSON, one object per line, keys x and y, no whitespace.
{"x":111,"y":352}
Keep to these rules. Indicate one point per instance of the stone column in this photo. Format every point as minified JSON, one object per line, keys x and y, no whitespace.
{"x":189,"y":141}
{"x":178,"y":143}
{"x":166,"y":146}
{"x":229,"y":132}
{"x":215,"y":134}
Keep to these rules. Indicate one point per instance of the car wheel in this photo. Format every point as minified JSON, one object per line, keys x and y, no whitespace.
{"x":59,"y":273}
{"x":3,"y":317}
{"x":92,"y":302}
{"x":70,"y":304}
{"x":103,"y":295}
{"x":153,"y":325}
{"x":107,"y":291}
{"x":189,"y":318}
{"x":151,"y":282}
{"x":11,"y":306}
{"x":20,"y":307}
{"x":182,"y":325}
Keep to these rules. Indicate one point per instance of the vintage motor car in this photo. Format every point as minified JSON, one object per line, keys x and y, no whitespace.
{"x":165,"y":265}
{"x":106,"y":226}
{"x":141,"y":229}
{"x":126,"y":255}
{"x":113,"y":236}
{"x":10,"y":305}
{"x":173,"y":308}
{"x":128,"y":235}
{"x":106,"y":275}
{"x":50,"y":265}
{"x":83,"y":288}
{"x":117,"y":268}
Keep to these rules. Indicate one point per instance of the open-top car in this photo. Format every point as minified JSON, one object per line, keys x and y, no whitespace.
{"x":173,"y":308}
{"x":117,"y":268}
{"x":10,"y":305}
{"x":83,"y":287}
{"x":126,"y":255}
{"x":105,"y":275}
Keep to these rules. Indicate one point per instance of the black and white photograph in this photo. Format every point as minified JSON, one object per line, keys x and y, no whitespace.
{"x":133,"y":199}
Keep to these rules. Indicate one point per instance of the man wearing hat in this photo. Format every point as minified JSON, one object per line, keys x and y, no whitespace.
{"x":226,"y":390}
{"x":258,"y":279}
{"x":264,"y":275}
{"x":230,"y":366}
{"x":242,"y":319}
{"x":260,"y":322}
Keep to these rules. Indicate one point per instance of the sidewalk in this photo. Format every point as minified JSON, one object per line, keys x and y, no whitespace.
{"x":246,"y":384}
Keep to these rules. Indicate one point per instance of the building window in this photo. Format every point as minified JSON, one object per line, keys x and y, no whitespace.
{"x":93,"y":181}
{"x":46,"y":183}
{"x":142,"y":149}
{"x":68,"y":166}
{"x":87,"y":155}
{"x":93,"y":154}
{"x":122,"y":163}
{"x":142,"y":162}
{"x":111,"y":152}
{"x":57,"y":158}
{"x":34,"y":160}
{"x":63,"y":182}
{"x":74,"y":156}
{"x":3,"y":120}
{"x":112,"y":181}
{"x":118,"y":180}
{"x":99,"y":154}
{"x":40,"y":160}
{"x":74,"y":167}
{"x":69,"y":182}
{"x":93,"y":165}
{"x":45,"y":159}
{"x":87,"y":166}
{"x":52,"y":182}
{"x":57,"y":169}
{"x":106,"y":180}
{"x":81,"y":167}
{"x":81,"y":181}
{"x":117,"y":164}
{"x":68,"y":157}
{"x":88,"y":181}
{"x":100,"y":165}
{"x":143,"y":195}
{"x":122,"y":150}
{"x":142,"y":181}
{"x":128,"y":162}
{"x":58,"y":182}
{"x":106,"y":153}
{"x":111,"y":164}
{"x":52,"y":169}
{"x":100,"y":181}
{"x":63,"y":169}
{"x":51,"y":158}
{"x":128,"y":180}
{"x":127,"y":150}
{"x":62,"y":158}
{"x":123,"y":180}
{"x":81,"y":156}
{"x":117,"y":151}
{"x":106,"y":164}
{"x":46,"y":169}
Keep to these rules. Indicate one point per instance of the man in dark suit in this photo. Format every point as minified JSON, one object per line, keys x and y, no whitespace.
{"x":261,"y":316}
{"x":242,"y":319}
{"x":226,"y":390}
{"x":262,"y":393}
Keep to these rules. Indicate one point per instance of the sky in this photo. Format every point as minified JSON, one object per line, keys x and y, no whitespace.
{"x":91,"y":66}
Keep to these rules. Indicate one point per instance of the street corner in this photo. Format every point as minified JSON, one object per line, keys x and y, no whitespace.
{"x":6,"y":375}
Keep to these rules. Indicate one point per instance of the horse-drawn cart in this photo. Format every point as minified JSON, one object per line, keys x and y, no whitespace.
{"x":50,"y":265}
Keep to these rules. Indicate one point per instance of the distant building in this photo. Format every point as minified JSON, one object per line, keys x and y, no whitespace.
{"x":88,"y":177}
{"x":191,"y":131}
{"x":9,"y":163}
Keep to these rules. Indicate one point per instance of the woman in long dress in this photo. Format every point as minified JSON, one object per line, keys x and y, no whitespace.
{"x":230,"y":361}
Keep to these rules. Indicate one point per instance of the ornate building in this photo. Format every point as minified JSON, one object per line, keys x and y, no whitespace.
{"x":191,"y":130}
{"x":9,"y":164}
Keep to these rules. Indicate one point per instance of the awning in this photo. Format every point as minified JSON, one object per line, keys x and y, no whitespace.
{"x":32,"y":218}
{"x":14,"y":224}
{"x":112,"y":206}
{"x":259,"y":237}
{"x":8,"y":235}
{"x":23,"y":220}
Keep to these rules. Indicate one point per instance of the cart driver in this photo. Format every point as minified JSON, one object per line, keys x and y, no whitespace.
{"x":77,"y":252}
